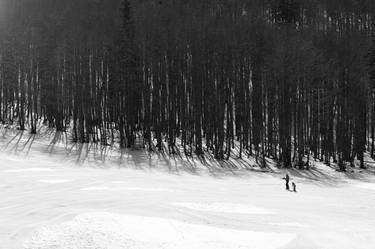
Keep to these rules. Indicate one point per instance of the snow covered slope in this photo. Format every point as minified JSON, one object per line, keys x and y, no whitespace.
{"x":128,"y":201}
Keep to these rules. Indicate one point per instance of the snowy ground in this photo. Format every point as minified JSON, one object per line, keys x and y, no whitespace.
{"x":59,"y":197}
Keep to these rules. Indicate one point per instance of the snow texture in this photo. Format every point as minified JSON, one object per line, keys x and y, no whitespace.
{"x":224,"y":208}
{"x":62,"y":196}
{"x":107,"y":230}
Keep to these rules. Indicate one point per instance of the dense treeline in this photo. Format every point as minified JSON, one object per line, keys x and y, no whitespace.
{"x":286,"y":79}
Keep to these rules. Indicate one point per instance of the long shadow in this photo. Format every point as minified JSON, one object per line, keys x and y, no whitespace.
{"x":83,"y":152}
{"x":19,"y":133}
{"x":15,"y":146}
{"x":313,"y":176}
{"x":30,"y":144}
{"x":329,"y":176}
{"x":56,"y":139}
{"x":102,"y":155}
{"x":138,"y":159}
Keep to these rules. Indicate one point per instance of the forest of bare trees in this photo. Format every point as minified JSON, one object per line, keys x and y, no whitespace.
{"x":290,"y":80}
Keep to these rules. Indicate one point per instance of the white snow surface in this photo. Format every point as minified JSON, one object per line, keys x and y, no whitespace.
{"x":108,"y":230}
{"x":54,"y":181}
{"x":370,"y":186}
{"x":224,"y":208}
{"x":56,"y":197}
{"x":106,"y":188}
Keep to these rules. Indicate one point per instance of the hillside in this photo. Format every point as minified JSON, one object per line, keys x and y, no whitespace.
{"x":65,"y":197}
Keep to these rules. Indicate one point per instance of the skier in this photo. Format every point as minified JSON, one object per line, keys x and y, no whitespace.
{"x":286,"y":178}
{"x":294,"y":187}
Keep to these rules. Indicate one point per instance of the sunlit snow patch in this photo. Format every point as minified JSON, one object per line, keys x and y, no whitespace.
{"x":28,"y":170}
{"x":111,"y":231}
{"x":95,"y":188}
{"x":105,"y":188}
{"x":55,"y":181}
{"x":224,"y":208}
{"x":370,"y":186}
{"x":288,"y":224}
{"x":118,"y":182}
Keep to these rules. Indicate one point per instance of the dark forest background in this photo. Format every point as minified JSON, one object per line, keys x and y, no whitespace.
{"x":285,"y":79}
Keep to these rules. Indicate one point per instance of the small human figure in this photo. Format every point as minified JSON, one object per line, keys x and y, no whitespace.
{"x":294,"y":187}
{"x":286,"y":178}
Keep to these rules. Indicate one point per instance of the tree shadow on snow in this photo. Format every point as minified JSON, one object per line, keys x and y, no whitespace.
{"x":58,"y":145}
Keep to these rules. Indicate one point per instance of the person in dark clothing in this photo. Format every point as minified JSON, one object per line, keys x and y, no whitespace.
{"x":294,"y":187}
{"x":286,"y":178}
